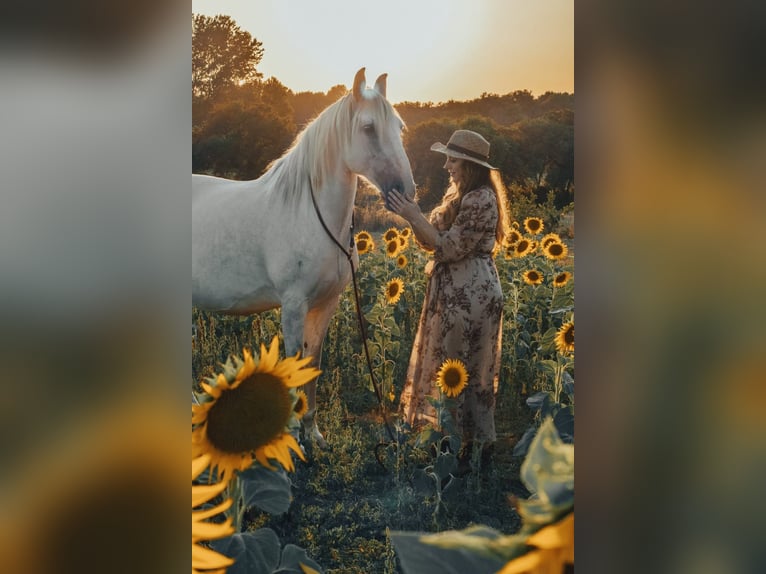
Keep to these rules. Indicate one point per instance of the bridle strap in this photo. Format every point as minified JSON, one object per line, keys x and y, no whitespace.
{"x":349,"y":255}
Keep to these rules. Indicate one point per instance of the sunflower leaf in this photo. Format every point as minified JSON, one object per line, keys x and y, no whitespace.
{"x":292,"y":558}
{"x":419,"y":557}
{"x":267,"y":489}
{"x":446,"y":464}
{"x":254,"y":552}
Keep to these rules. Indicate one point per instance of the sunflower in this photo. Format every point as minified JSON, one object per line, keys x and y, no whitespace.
{"x":405,"y":232}
{"x":552,"y":547}
{"x":452,"y":377}
{"x":515,"y":225}
{"x":393,"y":247}
{"x":534,"y":225}
{"x":513,"y":237}
{"x":364,"y":245}
{"x":533,"y":277}
{"x":204,"y":559}
{"x":403,"y":241}
{"x":565,"y":338}
{"x":248,"y":411}
{"x":394,"y":290}
{"x":523,"y":247}
{"x":550,"y":238}
{"x":363,"y":235}
{"x":301,"y":406}
{"x":562,"y":279}
{"x":555,"y":250}
{"x":533,"y":246}
{"x":391,"y":233}
{"x":401,"y":261}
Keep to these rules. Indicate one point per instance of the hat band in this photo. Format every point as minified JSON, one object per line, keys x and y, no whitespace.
{"x":466,"y":151}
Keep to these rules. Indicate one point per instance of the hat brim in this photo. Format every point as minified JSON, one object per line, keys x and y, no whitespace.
{"x":441,"y":148}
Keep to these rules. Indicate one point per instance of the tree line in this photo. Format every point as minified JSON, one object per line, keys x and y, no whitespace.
{"x":242,"y":122}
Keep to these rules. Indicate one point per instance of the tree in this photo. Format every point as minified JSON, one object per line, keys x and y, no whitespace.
{"x":223,"y":55}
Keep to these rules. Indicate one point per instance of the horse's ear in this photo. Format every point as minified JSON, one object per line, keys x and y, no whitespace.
{"x":380,"y":84}
{"x":359,"y":83}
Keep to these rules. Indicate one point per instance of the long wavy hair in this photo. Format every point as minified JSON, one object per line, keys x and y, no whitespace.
{"x":474,"y":177}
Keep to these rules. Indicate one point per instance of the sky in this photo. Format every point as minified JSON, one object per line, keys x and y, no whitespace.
{"x":432,"y":50}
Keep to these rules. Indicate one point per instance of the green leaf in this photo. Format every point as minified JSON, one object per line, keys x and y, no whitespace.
{"x":446,"y":464}
{"x":417,"y":557}
{"x":548,"y":469}
{"x":254,"y":552}
{"x":267,"y":489}
{"x":292,"y":557}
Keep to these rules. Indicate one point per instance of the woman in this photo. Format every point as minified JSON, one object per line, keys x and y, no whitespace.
{"x":462,"y":312}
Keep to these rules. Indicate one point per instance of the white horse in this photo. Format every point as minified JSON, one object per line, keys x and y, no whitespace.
{"x":259,"y":244}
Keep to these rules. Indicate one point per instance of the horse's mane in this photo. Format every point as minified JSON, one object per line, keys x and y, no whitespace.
{"x":315,"y":151}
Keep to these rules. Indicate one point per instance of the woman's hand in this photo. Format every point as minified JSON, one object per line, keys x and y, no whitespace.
{"x":403,"y":205}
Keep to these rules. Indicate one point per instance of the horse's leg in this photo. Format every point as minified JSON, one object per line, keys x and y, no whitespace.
{"x":293,"y":320}
{"x":314,"y":331}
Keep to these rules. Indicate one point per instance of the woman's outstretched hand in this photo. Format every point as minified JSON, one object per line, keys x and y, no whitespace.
{"x":403,"y":205}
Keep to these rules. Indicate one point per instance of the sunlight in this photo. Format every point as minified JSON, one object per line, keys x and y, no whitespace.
{"x":433,"y":50}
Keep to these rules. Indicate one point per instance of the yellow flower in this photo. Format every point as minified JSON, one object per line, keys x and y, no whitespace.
{"x":565,"y":338}
{"x":562,"y":279}
{"x":394,"y":290}
{"x":301,"y":405}
{"x":391,"y":233}
{"x":551,"y":237}
{"x":405,"y":232}
{"x":534,"y":225}
{"x":203,"y":558}
{"x":248,"y":412}
{"x":515,"y":225}
{"x":401,"y":261}
{"x":403,"y":242}
{"x":363,"y":235}
{"x":364,"y":244}
{"x":393,"y":247}
{"x":452,"y":377}
{"x":555,"y":250}
{"x":513,"y":237}
{"x":553,"y":548}
{"x":523,"y":247}
{"x":532,"y":246}
{"x":533,"y":277}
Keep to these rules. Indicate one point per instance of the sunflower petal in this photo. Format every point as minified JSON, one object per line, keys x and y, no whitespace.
{"x":203,"y":557}
{"x":202,"y":493}
{"x":293,"y":444}
{"x":199,"y":464}
{"x":211,"y":530}
{"x":198,"y":515}
{"x":260,"y":456}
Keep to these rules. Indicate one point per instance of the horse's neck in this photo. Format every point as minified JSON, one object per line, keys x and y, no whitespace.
{"x":335,"y":201}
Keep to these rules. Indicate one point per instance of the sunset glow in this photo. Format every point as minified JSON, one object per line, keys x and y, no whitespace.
{"x":433,"y":50}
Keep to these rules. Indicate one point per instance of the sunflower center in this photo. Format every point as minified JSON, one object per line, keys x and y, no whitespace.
{"x":452,"y":378}
{"x":251,"y":415}
{"x":555,"y":249}
{"x":569,"y":336}
{"x":393,"y":289}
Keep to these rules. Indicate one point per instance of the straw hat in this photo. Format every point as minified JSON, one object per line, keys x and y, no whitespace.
{"x":466,"y":145}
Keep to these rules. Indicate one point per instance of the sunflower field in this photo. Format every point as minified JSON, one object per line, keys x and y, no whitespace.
{"x":355,"y":505}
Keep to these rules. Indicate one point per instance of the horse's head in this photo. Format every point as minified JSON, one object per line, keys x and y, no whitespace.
{"x":375,"y":148}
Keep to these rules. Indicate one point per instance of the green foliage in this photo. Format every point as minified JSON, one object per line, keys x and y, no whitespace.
{"x":223,"y":55}
{"x":548,"y":472}
{"x":259,"y":552}
{"x":343,"y":500}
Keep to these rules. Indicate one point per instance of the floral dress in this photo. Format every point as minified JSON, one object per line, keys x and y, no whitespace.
{"x":461,"y":319}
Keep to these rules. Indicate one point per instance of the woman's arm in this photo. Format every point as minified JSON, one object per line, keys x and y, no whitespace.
{"x":425,"y":233}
